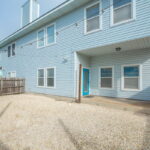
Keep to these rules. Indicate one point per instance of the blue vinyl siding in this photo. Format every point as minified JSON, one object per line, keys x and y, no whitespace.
{"x":29,"y":59}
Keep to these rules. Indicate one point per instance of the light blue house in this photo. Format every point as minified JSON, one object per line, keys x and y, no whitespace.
{"x":110,"y":38}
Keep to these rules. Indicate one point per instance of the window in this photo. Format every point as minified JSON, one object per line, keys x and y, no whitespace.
{"x":11,"y":50}
{"x":131,"y":77}
{"x":123,"y":10}
{"x":12,"y":74}
{"x":50,"y":34}
{"x":92,"y":18}
{"x":50,"y":77}
{"x":106,"y":77}
{"x":41,"y":77}
{"x":41,"y":39}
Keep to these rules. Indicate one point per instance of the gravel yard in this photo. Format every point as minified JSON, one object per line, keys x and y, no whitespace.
{"x":36,"y":122}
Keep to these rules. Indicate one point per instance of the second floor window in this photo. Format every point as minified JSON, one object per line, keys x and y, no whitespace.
{"x":122,"y":10}
{"x":92,"y":18}
{"x":41,"y":38}
{"x":50,"y":34}
{"x":11,"y":50}
{"x":46,"y":36}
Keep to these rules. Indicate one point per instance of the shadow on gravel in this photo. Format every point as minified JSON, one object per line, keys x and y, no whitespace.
{"x":146,"y":139}
{"x":71,"y":137}
{"x":4,"y":110}
{"x":3,"y":146}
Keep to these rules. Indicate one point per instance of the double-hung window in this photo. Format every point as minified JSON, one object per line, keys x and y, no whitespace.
{"x":11,"y":50}
{"x":131,"y":77}
{"x":46,"y":36}
{"x":106,"y":77}
{"x":50,"y":77}
{"x":50,"y":34}
{"x":46,"y":77}
{"x":41,"y":38}
{"x":92,"y":20}
{"x":41,"y":77}
{"x":123,"y":10}
{"x":12,"y":74}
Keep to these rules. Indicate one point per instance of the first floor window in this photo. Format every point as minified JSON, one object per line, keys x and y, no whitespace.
{"x":41,"y":77}
{"x":106,"y":77}
{"x":131,"y":77}
{"x":46,"y":77}
{"x":93,"y":18}
{"x":41,"y":39}
{"x":12,"y":74}
{"x":122,"y":10}
{"x":50,"y":77}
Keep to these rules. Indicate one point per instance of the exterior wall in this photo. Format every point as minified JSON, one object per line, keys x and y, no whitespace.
{"x":28,"y":59}
{"x":141,"y":57}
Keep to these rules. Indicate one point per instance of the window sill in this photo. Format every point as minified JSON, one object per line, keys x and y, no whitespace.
{"x":87,"y":33}
{"x":45,"y":87}
{"x":122,"y":22}
{"x":106,"y":88}
{"x":131,"y":90}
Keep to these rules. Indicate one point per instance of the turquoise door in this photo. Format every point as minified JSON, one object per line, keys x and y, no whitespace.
{"x":86,"y":82}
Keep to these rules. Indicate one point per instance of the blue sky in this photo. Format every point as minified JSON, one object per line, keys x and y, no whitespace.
{"x":10,"y":14}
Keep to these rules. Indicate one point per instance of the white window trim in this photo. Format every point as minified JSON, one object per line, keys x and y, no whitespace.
{"x":11,"y":73}
{"x":112,"y":24}
{"x":45,"y":36}
{"x":140,"y":77}
{"x":99,"y":77}
{"x":45,"y":78}
{"x":100,"y":18}
{"x":49,"y":44}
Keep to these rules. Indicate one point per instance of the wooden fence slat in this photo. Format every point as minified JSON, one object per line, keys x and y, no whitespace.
{"x":12,"y":86}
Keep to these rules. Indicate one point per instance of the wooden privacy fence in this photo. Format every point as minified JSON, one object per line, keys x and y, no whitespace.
{"x":12,"y":86}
